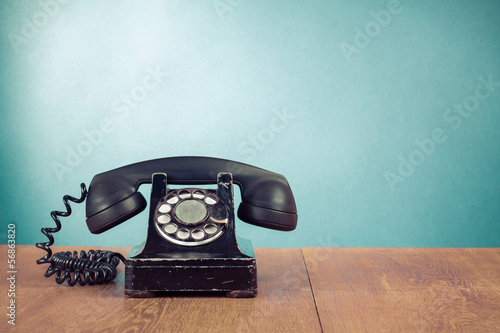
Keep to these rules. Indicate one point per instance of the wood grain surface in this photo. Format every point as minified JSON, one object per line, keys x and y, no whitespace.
{"x":284,"y":302}
{"x":406,"y":290}
{"x":300,"y":290}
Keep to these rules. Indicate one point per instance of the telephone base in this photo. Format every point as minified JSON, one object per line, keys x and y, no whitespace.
{"x":202,"y":274}
{"x":229,"y":294}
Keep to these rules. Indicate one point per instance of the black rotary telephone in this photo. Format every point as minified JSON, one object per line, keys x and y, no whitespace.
{"x":191,"y":244}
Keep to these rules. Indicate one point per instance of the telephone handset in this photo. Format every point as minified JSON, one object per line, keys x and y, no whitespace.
{"x":191,"y":243}
{"x":267,"y":199}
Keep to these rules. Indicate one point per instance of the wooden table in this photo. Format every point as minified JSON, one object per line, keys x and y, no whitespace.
{"x":300,"y":290}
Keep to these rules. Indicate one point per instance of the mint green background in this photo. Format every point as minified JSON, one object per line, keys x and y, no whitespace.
{"x":228,"y":68}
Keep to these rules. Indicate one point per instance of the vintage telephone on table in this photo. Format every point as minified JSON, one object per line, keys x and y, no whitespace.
{"x":191,"y":243}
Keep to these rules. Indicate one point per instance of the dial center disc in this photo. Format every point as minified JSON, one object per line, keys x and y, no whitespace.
{"x":191,"y":211}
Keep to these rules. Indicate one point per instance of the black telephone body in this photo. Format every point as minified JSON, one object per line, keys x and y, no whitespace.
{"x":191,"y":243}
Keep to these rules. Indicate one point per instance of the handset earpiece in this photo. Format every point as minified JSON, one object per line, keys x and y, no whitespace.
{"x":267,"y":218}
{"x":268,"y":202}
{"x":116,"y":213}
{"x":110,"y":202}
{"x":267,"y":199}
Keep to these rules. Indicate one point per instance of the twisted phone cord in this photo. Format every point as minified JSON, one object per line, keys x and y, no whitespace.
{"x":92,"y":267}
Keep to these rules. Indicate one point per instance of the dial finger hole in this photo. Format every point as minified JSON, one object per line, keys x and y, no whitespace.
{"x":213,"y":219}
{"x":164,"y":208}
{"x":198,"y":194}
{"x":182,"y":234}
{"x":184,"y":194}
{"x":173,"y":200}
{"x":163,"y":219}
{"x":197,"y":234}
{"x":170,"y":228}
{"x":211,"y":200}
{"x":210,"y":229}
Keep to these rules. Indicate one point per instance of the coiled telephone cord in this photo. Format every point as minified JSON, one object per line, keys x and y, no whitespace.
{"x":92,"y":267}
